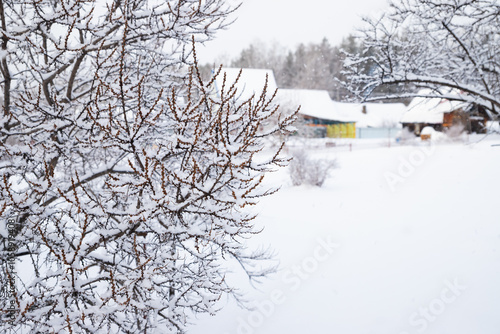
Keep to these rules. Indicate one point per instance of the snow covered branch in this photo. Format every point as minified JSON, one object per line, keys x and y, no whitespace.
{"x":432,"y":44}
{"x":128,"y":176}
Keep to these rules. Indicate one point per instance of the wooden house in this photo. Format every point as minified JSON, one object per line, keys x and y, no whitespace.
{"x":318,"y":111}
{"x":442,"y":114}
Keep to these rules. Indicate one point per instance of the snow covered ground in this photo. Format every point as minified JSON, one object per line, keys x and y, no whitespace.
{"x":399,"y":240}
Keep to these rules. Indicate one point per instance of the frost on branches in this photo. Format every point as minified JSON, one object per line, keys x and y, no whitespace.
{"x":128,"y":177}
{"x":444,"y":45}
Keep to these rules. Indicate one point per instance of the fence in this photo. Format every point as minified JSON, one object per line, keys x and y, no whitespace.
{"x":366,"y":133}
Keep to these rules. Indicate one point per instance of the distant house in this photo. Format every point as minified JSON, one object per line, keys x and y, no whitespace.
{"x":374,"y":115}
{"x":441,"y":114}
{"x":477,"y":119}
{"x":319,"y":111}
{"x":374,"y":120}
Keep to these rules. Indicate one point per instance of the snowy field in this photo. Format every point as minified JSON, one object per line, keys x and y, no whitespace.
{"x":399,"y":240}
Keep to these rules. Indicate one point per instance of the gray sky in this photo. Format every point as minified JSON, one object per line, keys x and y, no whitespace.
{"x":289,"y":22}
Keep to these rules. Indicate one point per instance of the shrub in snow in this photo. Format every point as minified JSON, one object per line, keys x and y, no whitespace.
{"x":297,"y":168}
{"x":127,"y":178}
{"x":319,"y":170}
{"x":305,"y":170}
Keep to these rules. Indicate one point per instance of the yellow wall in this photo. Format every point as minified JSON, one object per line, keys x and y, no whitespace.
{"x":351,"y":130}
{"x":341,"y":130}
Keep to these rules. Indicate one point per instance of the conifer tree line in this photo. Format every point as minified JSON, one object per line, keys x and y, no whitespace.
{"x":308,"y":66}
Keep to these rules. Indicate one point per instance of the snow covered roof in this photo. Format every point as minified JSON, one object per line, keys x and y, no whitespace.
{"x":313,"y":103}
{"x":429,"y":110}
{"x":377,"y":115}
{"x":251,"y":82}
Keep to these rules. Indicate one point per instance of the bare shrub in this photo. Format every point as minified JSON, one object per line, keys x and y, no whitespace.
{"x":305,"y":170}
{"x":125,"y":179}
{"x":297,"y":168}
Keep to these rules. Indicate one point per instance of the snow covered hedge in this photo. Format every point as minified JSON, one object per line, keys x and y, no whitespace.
{"x":127,"y":176}
{"x":305,"y":170}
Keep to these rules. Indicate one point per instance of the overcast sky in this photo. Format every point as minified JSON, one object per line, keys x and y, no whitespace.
{"x":289,"y":22}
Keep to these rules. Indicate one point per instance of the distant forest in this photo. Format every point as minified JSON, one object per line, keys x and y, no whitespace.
{"x":311,"y":66}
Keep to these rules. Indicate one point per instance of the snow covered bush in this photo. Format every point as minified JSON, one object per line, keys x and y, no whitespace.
{"x":319,"y":170}
{"x":305,"y":170}
{"x":127,"y":176}
{"x":297,"y":168}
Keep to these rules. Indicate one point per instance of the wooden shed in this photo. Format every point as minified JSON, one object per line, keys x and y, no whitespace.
{"x":442,"y":114}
